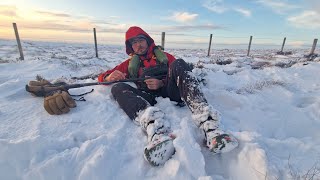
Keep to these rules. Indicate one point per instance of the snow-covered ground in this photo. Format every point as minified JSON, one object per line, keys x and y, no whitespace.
{"x":271,"y":103}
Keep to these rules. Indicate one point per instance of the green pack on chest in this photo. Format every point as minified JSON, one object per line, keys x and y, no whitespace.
{"x":135,"y":63}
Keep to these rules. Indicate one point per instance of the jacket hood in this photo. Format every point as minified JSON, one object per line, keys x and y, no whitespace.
{"x":133,"y":32}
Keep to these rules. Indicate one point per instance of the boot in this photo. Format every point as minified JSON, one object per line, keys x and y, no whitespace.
{"x":207,"y":119}
{"x":216,"y":139}
{"x":160,"y":143}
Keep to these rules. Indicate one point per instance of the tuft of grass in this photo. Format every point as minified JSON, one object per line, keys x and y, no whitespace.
{"x":252,"y":88}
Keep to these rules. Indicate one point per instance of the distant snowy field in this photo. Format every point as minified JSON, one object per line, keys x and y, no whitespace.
{"x":271,"y":103}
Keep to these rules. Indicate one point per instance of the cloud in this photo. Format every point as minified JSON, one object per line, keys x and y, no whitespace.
{"x":183,"y":29}
{"x":195,"y":27}
{"x":278,"y":6}
{"x":183,"y":17}
{"x":58,"y":26}
{"x":6,"y":10}
{"x":55,"y":14}
{"x":216,"y":6}
{"x":296,"y":44}
{"x":219,"y":6}
{"x":51,"y":25}
{"x":115,"y":28}
{"x":54,"y":21}
{"x":307,"y":19}
{"x":313,"y":5}
{"x":180,"y":30}
{"x":244,"y":12}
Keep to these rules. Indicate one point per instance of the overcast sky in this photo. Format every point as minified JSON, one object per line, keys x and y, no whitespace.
{"x":184,"y":21}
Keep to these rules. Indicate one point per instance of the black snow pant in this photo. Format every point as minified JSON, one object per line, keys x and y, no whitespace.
{"x":181,"y":86}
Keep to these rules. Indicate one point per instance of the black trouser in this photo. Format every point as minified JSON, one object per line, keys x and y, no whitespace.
{"x":181,"y":86}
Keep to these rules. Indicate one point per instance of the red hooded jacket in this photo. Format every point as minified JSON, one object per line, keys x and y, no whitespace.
{"x":148,"y":60}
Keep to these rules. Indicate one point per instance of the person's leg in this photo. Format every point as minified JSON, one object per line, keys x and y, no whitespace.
{"x":138,"y":105}
{"x":131,"y":100}
{"x":183,"y":85}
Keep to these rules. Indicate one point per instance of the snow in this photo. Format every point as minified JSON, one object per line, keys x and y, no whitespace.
{"x":273,"y":111}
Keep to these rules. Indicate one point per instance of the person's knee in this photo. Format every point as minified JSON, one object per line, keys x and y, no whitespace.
{"x":118,"y":88}
{"x":180,"y":64}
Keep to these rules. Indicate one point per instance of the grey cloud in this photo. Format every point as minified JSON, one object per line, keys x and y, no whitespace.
{"x":313,"y":5}
{"x":306,"y":20}
{"x":193,"y":27}
{"x":102,"y":22}
{"x":49,"y":25}
{"x":113,"y":30}
{"x":172,"y":30}
{"x":53,"y":14}
{"x":52,"y":25}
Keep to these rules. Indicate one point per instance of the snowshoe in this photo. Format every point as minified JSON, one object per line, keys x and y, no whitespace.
{"x":222,"y":143}
{"x":159,"y":150}
{"x":216,"y":139}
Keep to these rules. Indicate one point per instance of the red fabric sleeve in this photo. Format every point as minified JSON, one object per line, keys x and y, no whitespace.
{"x":170,"y":58}
{"x":123,"y":67}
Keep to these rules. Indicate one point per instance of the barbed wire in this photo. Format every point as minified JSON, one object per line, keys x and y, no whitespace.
{"x":104,"y":38}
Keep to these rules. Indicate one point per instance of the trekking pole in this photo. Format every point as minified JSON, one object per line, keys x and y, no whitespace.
{"x":48,"y":88}
{"x":71,"y":86}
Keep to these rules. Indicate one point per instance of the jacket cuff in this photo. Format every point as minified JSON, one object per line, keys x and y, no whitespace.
{"x":105,"y":76}
{"x":101,"y":77}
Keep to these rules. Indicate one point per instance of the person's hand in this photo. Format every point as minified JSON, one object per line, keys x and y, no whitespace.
{"x":58,"y":102}
{"x":115,"y":76}
{"x":153,"y":84}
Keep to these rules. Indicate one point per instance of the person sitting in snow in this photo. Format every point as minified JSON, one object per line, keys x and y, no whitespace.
{"x":179,"y":85}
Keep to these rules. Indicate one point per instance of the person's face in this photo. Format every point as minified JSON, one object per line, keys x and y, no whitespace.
{"x":139,"y":46}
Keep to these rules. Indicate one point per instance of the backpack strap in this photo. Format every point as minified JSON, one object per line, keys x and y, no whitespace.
{"x":160,"y":55}
{"x":135,"y":63}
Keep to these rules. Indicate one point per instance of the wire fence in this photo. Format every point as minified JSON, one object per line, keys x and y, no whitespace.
{"x":167,"y":40}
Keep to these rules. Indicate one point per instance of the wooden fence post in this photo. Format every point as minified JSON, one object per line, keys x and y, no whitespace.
{"x":18,"y":40}
{"x":95,"y":41}
{"x":163,"y":35}
{"x":313,"y":46}
{"x":284,"y":41}
{"x":249,"y":46}
{"x":209,"y":45}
